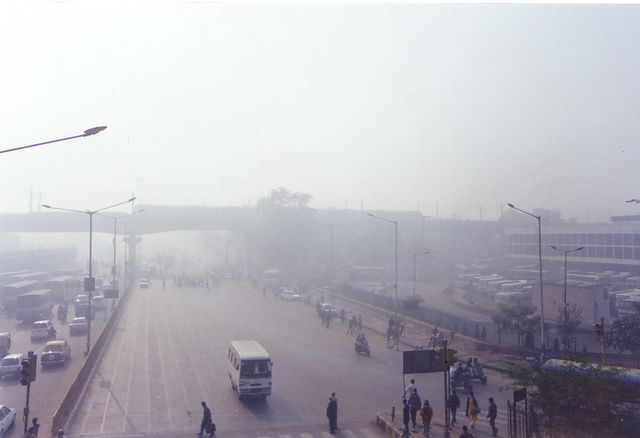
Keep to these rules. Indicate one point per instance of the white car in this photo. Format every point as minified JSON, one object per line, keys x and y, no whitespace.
{"x":289,"y":295}
{"x":7,"y":418}
{"x":144,"y":284}
{"x":42,"y":330}
{"x":11,"y":365}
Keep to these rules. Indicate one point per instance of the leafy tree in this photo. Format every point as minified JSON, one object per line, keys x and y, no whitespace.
{"x":624,"y":335}
{"x":517,"y":319}
{"x":281,"y":239}
{"x":579,"y":399}
{"x":568,"y":323}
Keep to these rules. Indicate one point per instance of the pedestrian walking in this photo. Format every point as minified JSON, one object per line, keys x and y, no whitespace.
{"x":206,"y":418}
{"x":359,"y":321}
{"x":427,"y":414}
{"x":409,"y":389}
{"x":470,"y":399}
{"x":474,"y":410}
{"x":406,"y":415}
{"x":465,"y":433}
{"x":453,"y":404}
{"x":493,"y":413}
{"x":34,"y":428}
{"x":414,"y":405}
{"x":332,"y":413}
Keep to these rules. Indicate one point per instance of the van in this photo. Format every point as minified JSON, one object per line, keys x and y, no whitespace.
{"x":98,"y":302}
{"x":249,"y":369}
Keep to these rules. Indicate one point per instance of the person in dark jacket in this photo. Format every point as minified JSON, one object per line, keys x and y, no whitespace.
{"x":453,"y":404}
{"x":493,"y":413}
{"x":332,"y":413}
{"x":206,"y":418}
{"x":414,"y":405}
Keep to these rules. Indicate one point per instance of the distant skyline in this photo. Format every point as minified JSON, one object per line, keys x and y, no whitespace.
{"x":450,"y":109}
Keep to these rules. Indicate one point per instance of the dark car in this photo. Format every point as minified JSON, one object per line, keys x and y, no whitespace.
{"x":78,"y":326}
{"x":82,"y":310}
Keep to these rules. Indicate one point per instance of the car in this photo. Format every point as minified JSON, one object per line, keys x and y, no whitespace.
{"x":78,"y":326}
{"x":42,"y":330}
{"x":7,"y":418}
{"x":82,"y":310}
{"x":81,"y":299}
{"x":11,"y":365}
{"x":99,"y":302}
{"x":144,"y":284}
{"x":56,"y":352}
{"x":328,"y":308}
{"x":289,"y":295}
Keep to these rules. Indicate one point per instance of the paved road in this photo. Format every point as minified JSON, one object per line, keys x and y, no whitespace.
{"x":51,"y":383}
{"x":169,"y":353}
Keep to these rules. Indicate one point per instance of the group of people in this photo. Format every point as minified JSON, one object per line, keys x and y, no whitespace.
{"x":412,"y":406}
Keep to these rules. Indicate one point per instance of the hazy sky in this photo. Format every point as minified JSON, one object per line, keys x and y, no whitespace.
{"x":385,"y":106}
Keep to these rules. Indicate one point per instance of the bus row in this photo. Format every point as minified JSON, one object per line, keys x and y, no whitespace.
{"x":33,"y":299}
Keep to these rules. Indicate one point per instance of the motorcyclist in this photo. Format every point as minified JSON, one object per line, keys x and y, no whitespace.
{"x":52,"y":333}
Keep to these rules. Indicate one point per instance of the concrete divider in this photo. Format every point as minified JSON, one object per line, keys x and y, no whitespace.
{"x":67,"y":409}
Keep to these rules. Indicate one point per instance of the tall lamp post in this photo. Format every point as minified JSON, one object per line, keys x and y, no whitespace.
{"x":414,"y":270}
{"x":87,"y":133}
{"x":115,"y":227}
{"x":566,"y":252}
{"x":395,"y":223}
{"x":90,"y":287}
{"x":542,"y":340}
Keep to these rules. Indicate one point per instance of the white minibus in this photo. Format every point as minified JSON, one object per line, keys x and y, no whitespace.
{"x":250,"y":369}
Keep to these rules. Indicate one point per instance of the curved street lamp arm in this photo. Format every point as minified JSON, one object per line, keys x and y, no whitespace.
{"x":88,"y":132}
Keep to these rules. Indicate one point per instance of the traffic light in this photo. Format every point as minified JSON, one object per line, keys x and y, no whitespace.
{"x":25,"y":373}
{"x":34,"y":366}
{"x":28,"y":372}
{"x":449,"y":360}
{"x":598,"y":329}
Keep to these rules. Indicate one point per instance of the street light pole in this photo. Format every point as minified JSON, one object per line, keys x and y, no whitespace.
{"x":566,"y":252}
{"x":538,"y":218}
{"x":414,"y":270}
{"x":115,"y":227}
{"x":87,"y":133}
{"x":395,"y":223}
{"x":91,"y":281}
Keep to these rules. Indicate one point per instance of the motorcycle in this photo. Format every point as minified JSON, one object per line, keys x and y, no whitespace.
{"x":362,"y":347}
{"x":477,"y":373}
{"x":461,"y":379}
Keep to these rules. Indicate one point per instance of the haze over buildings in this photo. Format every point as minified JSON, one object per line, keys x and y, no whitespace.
{"x":450,"y":109}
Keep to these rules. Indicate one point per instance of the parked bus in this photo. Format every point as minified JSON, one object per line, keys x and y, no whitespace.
{"x":34,"y":305}
{"x":273,"y":278}
{"x":250,"y":369}
{"x":12,"y":277}
{"x":65,"y":287}
{"x":10,"y":292}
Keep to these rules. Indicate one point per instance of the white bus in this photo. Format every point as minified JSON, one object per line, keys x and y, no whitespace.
{"x":250,"y":369}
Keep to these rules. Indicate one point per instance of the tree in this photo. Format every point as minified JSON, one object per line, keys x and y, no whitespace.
{"x":518,"y":319}
{"x":568,"y":323}
{"x":280,"y":240}
{"x":579,"y":399}
{"x":624,"y":335}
